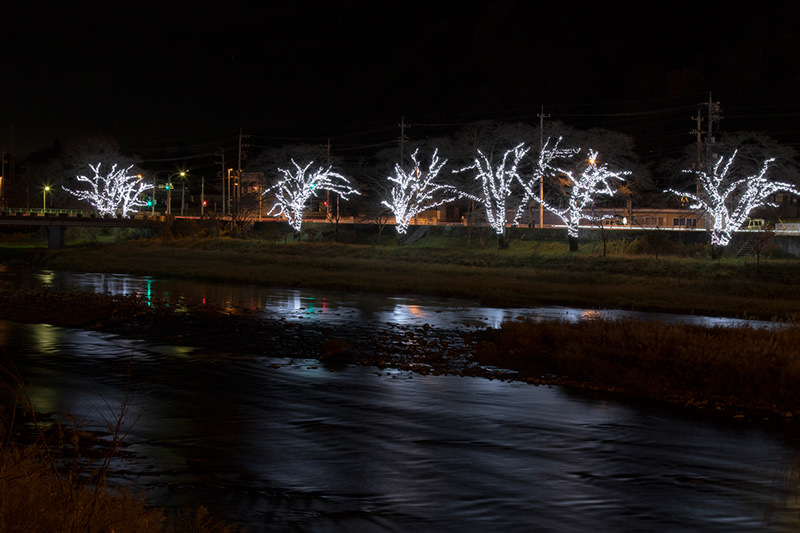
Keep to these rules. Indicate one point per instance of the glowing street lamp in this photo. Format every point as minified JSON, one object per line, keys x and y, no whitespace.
{"x":183,"y":191}
{"x":168,"y":186}
{"x":45,"y":190}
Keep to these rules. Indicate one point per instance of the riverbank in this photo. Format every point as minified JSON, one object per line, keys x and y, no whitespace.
{"x":528,"y":274}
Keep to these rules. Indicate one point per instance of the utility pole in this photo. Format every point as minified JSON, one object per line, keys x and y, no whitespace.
{"x":2,"y":176}
{"x":238,"y":178}
{"x":541,"y":116}
{"x":237,"y":185}
{"x":328,"y":191}
{"x":714,"y":116}
{"x":403,"y":127}
{"x":698,"y":135}
{"x":221,"y":174}
{"x":202,"y":196}
{"x":230,"y":201}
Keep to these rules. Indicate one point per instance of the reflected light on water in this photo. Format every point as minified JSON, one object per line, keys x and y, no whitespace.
{"x":405,"y":314}
{"x":45,"y":338}
{"x":332,"y":308}
{"x":45,"y":277}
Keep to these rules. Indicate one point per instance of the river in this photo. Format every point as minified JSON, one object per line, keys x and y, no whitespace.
{"x":279,"y":443}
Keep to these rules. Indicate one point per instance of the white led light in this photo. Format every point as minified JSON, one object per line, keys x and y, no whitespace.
{"x":115,"y":192}
{"x":294,"y":190}
{"x":730,"y":201}
{"x":415,"y":190}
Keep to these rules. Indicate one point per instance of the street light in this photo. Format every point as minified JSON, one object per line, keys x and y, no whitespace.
{"x":45,"y":190}
{"x":182,"y":174}
{"x":168,"y":186}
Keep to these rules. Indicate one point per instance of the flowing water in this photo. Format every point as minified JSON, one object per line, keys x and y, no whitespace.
{"x":277,"y":442}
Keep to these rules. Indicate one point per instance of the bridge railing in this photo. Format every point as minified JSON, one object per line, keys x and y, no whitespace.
{"x":787,"y":227}
{"x":34,"y":211}
{"x":31,"y":211}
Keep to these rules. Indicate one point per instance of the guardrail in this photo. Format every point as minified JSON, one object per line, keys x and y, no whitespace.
{"x":787,"y":228}
{"x":45,"y":212}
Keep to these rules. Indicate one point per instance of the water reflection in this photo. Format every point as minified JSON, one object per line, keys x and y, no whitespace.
{"x":336,"y":308}
{"x":284,"y":444}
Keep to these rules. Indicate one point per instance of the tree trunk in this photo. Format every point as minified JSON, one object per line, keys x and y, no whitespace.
{"x":502,"y":241}
{"x":573,"y":244}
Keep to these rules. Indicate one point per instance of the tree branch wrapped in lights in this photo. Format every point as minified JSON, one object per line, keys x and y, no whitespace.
{"x":415,"y":190}
{"x":299,"y":185}
{"x":729,"y":201}
{"x":116,"y":192}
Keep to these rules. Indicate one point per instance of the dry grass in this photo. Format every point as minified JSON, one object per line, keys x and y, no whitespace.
{"x":754,"y":369}
{"x":54,"y":478}
{"x":35,"y":498}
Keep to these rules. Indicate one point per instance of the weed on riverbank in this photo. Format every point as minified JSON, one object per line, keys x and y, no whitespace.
{"x":739,"y":368}
{"x":54,"y":474}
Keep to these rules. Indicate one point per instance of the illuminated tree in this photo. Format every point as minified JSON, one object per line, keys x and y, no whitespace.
{"x":297,"y":187}
{"x":729,"y":200}
{"x":548,"y":156}
{"x":498,"y":194}
{"x":581,"y":189}
{"x":116,"y":192}
{"x":415,"y":190}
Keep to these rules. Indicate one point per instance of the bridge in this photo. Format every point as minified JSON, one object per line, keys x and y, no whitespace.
{"x":56,"y":221}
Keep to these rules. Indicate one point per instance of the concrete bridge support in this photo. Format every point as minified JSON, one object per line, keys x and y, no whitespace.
{"x":788,"y":244}
{"x":55,"y":237}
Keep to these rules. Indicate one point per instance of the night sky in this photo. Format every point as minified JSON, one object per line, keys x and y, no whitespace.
{"x":180,"y":78}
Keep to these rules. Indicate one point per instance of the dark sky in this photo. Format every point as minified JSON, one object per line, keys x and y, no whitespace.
{"x":189,"y":75}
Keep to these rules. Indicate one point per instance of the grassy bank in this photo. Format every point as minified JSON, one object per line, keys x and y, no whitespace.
{"x":529,"y":273}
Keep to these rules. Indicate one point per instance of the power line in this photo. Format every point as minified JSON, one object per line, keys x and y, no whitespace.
{"x":181,"y":158}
